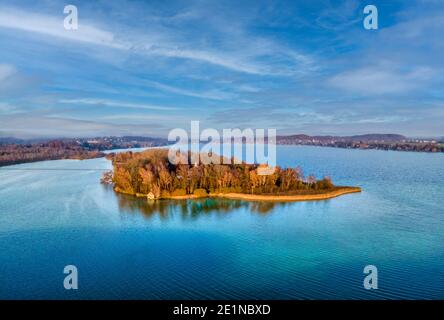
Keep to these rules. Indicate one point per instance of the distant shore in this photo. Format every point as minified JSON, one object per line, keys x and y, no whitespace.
{"x":339,"y":191}
{"x":15,"y":151}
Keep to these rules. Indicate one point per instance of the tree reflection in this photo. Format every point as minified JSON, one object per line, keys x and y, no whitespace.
{"x":191,"y":209}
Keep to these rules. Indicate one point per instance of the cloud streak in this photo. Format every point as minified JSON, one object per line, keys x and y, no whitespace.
{"x":306,"y":65}
{"x":379,"y":81}
{"x":114,"y":103}
{"x":88,"y":33}
{"x":213,"y":95}
{"x":6,"y":71}
{"x":30,"y":126}
{"x":53,"y":26}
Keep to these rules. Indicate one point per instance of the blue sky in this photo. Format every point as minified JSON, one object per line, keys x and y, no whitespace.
{"x":145,"y":67}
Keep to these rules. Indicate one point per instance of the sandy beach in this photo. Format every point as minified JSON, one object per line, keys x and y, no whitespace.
{"x":339,"y":191}
{"x":284,"y":198}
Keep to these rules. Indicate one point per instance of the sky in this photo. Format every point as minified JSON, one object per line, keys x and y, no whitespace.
{"x":138,"y":67}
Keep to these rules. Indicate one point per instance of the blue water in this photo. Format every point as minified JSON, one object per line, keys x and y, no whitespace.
{"x":56,"y":213}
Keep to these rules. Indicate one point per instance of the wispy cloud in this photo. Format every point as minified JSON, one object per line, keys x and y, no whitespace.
{"x":6,"y":108}
{"x":13,"y":81}
{"x":24,"y":126}
{"x":301,"y":65}
{"x":340,"y":16}
{"x":114,"y":103}
{"x":53,"y":26}
{"x":6,"y":71}
{"x":378,"y":80}
{"x":161,"y":44}
{"x":208,"y":57}
{"x":213,"y":94}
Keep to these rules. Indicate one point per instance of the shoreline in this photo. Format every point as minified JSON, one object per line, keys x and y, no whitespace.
{"x":290,"y":198}
{"x":258,"y":197}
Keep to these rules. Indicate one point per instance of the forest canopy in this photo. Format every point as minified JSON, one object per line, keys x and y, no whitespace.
{"x":150,"y":172}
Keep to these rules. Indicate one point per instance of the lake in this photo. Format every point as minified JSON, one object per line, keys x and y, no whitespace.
{"x":56,"y":213}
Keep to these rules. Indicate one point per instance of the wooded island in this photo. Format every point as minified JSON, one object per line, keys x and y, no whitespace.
{"x":150,"y":174}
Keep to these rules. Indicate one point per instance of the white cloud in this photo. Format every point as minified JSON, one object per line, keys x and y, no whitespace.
{"x":160,"y":42}
{"x":111,"y":103}
{"x":35,"y":125}
{"x":6,"y":71}
{"x":213,"y":94}
{"x":208,"y":57}
{"x":53,"y":26}
{"x":13,"y":81}
{"x":6,"y":108}
{"x":137,"y":118}
{"x":87,"y":33}
{"x":378,"y":80}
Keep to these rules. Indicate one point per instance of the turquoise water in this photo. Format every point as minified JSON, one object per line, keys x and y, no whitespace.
{"x":56,"y":213}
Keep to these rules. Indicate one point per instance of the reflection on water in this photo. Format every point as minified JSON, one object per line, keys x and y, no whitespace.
{"x":189,"y":209}
{"x":127,"y":248}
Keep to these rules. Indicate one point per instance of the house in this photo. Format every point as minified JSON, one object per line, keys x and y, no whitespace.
{"x":265,"y":170}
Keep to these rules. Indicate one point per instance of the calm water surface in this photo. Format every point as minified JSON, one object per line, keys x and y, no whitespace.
{"x":56,"y":213}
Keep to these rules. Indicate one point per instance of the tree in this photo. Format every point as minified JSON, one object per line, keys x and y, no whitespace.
{"x":165,"y":179}
{"x":147,"y":179}
{"x":123,"y":181}
{"x":150,"y":171}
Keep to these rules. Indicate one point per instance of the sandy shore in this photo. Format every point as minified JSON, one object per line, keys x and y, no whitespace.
{"x":257,"y":197}
{"x":282,"y":198}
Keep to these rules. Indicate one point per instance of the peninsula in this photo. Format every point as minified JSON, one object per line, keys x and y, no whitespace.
{"x":15,"y":151}
{"x":149,"y":174}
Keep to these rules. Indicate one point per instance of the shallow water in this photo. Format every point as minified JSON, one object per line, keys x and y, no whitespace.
{"x":56,"y":213}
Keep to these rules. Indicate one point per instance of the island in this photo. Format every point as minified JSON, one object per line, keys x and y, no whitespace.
{"x":150,"y":174}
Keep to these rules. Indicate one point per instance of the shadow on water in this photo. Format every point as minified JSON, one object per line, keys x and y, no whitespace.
{"x":190,"y":209}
